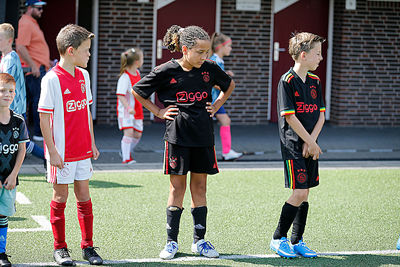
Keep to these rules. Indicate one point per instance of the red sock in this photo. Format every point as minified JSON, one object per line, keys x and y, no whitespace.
{"x":85,"y":217}
{"x":57,"y":220}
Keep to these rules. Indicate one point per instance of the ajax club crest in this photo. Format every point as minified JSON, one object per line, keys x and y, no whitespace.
{"x":206,"y":76}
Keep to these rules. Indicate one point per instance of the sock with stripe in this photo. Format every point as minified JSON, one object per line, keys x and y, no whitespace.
{"x":299,"y":223}
{"x":3,"y":233}
{"x":126,"y":147}
{"x":199,"y":215}
{"x":57,"y":220}
{"x":173,"y":220}
{"x":285,"y":221}
{"x":85,"y":218}
{"x":225,"y":134}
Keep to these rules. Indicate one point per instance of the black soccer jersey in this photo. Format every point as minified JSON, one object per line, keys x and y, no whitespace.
{"x":11,"y":135}
{"x":304,"y":99}
{"x":189,"y":90}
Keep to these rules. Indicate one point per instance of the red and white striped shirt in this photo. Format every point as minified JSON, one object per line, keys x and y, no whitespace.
{"x":67,"y":98}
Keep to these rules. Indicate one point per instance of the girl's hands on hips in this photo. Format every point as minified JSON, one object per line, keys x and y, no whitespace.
{"x":211,"y":109}
{"x":168,"y":113}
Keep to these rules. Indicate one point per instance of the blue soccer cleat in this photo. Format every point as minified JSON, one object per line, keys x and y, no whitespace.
{"x":302,"y":250}
{"x":398,"y":244}
{"x":282,"y":248}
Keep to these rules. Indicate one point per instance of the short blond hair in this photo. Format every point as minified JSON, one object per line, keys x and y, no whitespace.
{"x":303,"y":42}
{"x":7,"y":29}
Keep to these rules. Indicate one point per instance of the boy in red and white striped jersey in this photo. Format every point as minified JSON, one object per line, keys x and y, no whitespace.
{"x":67,"y":128}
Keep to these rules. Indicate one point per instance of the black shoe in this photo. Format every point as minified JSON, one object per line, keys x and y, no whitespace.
{"x":4,"y":260}
{"x":91,"y":255}
{"x":62,"y":257}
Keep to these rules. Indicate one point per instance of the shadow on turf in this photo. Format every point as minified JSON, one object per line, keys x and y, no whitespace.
{"x":103,"y":184}
{"x":16,"y":219}
{"x":93,"y":183}
{"x":345,"y":260}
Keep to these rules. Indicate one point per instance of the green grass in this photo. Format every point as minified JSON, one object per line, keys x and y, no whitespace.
{"x":351,"y":210}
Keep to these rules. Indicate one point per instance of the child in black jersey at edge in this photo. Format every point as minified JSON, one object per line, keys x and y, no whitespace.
{"x":184,"y":87}
{"x":302,"y":116}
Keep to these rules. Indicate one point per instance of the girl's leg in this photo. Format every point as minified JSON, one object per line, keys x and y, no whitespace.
{"x":225,"y":132}
{"x":126,"y":142}
{"x":57,"y":217}
{"x":135,"y":140}
{"x":198,"y":189}
{"x":177,"y":190}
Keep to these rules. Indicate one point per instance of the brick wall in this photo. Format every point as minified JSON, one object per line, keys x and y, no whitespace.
{"x":129,"y":23}
{"x":249,"y":60}
{"x":122,"y":24}
{"x":366,"y":64}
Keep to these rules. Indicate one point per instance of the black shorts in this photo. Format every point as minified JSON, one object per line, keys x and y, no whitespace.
{"x":301,"y":173}
{"x":179,"y":160}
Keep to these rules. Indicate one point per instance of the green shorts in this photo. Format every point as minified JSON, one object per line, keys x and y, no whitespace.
{"x":7,"y":201}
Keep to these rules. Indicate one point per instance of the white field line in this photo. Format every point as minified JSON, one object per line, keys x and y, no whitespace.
{"x":22,"y":199}
{"x":227,"y":257}
{"x":41,"y":220}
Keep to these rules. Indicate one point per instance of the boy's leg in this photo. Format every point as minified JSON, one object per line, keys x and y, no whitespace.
{"x":299,"y":223}
{"x":286,"y":218}
{"x":3,"y":233}
{"x":85,"y":212}
{"x":57,"y":217}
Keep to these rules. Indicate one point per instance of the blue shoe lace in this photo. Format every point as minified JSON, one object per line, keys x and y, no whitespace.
{"x":206,"y":246}
{"x":171,"y":246}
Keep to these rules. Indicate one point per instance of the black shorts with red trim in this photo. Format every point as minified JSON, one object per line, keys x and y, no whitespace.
{"x":179,"y":160}
{"x":301,"y":173}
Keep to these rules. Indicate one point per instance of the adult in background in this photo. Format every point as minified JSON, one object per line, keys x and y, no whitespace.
{"x":35,"y":54}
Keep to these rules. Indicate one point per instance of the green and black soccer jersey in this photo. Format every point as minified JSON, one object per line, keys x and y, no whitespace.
{"x":305,"y":100}
{"x":189,"y":91}
{"x":11,"y":134}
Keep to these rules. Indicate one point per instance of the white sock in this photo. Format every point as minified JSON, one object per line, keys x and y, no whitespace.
{"x":134,"y":142}
{"x":126,"y":147}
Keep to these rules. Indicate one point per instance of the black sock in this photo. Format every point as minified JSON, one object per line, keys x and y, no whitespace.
{"x":299,"y":223}
{"x":173,"y":220}
{"x":199,"y":221}
{"x":285,"y":221}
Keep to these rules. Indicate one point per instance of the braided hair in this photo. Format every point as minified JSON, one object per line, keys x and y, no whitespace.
{"x":176,"y":37}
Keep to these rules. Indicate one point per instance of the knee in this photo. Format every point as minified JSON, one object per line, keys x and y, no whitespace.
{"x":60,"y":197}
{"x":178,"y":190}
{"x":198,"y":189}
{"x":301,"y":194}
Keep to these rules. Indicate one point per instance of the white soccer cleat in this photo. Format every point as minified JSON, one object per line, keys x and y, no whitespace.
{"x":205,"y":249}
{"x":231,"y":155}
{"x":169,"y":250}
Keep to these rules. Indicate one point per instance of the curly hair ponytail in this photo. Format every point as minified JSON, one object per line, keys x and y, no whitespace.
{"x":177,"y":36}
